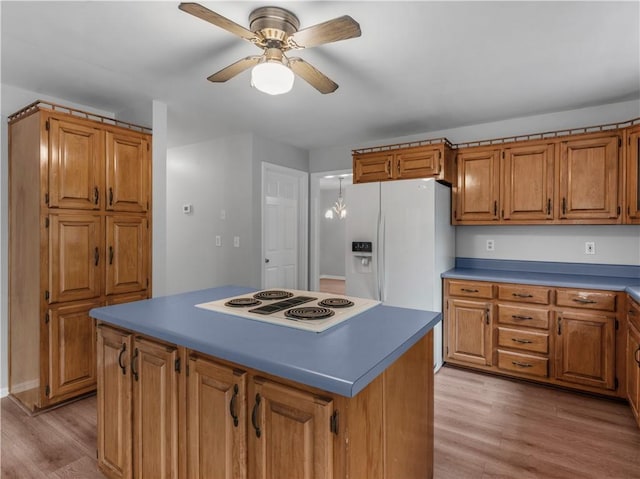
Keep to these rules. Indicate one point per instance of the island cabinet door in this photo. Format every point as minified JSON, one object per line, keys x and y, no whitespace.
{"x":155,"y":410}
{"x":217,"y":421}
{"x":289,"y":434}
{"x":114,"y":403}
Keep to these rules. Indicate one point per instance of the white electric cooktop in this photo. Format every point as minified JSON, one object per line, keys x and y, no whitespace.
{"x":308,"y":310}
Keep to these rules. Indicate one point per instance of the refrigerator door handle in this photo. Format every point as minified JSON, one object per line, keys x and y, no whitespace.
{"x":382,"y":265}
{"x":378,"y":255}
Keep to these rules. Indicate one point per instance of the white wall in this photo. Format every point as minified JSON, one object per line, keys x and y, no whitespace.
{"x":216,"y":176}
{"x":614,"y":244}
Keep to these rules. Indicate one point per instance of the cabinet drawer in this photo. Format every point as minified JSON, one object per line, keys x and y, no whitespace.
{"x":524,"y":294}
{"x":471,"y":289}
{"x":531,"y":317}
{"x":575,"y":298}
{"x":524,"y":340}
{"x":523,"y":363}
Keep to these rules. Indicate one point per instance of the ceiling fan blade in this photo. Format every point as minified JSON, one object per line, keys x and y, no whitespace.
{"x":234,"y":69}
{"x":341,"y":28}
{"x":218,"y":20}
{"x":312,"y":76}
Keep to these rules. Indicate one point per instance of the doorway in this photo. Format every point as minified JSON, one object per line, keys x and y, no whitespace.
{"x":284,"y":227}
{"x":327,"y":234}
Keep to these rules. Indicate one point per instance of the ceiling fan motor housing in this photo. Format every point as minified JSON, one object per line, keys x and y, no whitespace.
{"x":273,"y":23}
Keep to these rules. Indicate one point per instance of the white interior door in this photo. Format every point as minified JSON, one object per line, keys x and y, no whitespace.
{"x":284,"y":228}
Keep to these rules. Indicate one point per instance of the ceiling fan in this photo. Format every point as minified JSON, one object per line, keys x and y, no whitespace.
{"x":276,"y":31}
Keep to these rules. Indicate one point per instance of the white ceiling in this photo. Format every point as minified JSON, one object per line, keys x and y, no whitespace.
{"x":418,"y":66}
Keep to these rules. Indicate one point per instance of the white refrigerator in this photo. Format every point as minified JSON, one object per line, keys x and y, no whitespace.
{"x":399,"y":241}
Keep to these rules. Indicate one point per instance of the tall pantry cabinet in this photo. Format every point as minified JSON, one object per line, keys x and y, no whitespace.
{"x":79,"y":238}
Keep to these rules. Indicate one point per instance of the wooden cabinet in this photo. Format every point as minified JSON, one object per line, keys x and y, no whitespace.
{"x":589,"y":178}
{"x":469,"y":332}
{"x":562,"y":336}
{"x":555,"y":181}
{"x":137,"y":406}
{"x":527,"y":182}
{"x":79,"y":219}
{"x":478,"y":185}
{"x":400,"y":162}
{"x":216,"y":420}
{"x":633,"y":358}
{"x":632,"y":175}
{"x":114,"y":403}
{"x":585,"y":349}
{"x":289,"y":436}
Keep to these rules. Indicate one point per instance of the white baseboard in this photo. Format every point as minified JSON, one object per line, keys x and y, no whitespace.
{"x":330,"y":276}
{"x":4,"y":392}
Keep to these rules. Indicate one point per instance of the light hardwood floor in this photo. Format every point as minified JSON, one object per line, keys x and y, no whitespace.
{"x":485,"y":428}
{"x":335,"y":286}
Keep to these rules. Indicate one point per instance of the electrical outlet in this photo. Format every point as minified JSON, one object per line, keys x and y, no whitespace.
{"x":589,"y":247}
{"x":236,"y":241}
{"x":187,"y":209}
{"x":218,"y":240}
{"x":491,"y":245}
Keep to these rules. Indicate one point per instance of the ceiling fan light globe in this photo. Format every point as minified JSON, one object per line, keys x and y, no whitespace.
{"x":272,"y":78}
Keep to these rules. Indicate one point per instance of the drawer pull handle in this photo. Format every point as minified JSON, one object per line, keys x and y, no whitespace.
{"x":521,"y":365}
{"x":584,"y":301}
{"x":469,"y":290}
{"x":521,"y":341}
{"x":519,"y":316}
{"x":522,"y":295}
{"x":133,"y":364}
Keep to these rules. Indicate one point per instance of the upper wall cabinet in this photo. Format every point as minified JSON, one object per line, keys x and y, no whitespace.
{"x":588,"y":183}
{"x":425,"y":159}
{"x":632,"y":175}
{"x":576,"y":179}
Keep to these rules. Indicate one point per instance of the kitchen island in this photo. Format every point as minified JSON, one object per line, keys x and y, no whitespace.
{"x":187,"y":392}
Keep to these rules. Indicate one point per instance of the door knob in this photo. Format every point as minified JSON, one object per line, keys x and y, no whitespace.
{"x":266,"y":260}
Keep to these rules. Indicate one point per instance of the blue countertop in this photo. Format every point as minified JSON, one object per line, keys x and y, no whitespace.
{"x":341,"y":360}
{"x":568,"y":275}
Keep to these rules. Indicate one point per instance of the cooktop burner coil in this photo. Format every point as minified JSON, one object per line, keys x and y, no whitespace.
{"x":336,"y":303}
{"x":272,"y":294}
{"x":242,"y":302}
{"x":309,"y":313}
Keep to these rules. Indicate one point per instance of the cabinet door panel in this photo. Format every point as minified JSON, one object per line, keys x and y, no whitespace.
{"x":114,"y":403}
{"x":527,"y":188}
{"x":127,"y":172}
{"x":216,"y":415}
{"x":126,"y":254}
{"x":589,"y":178}
{"x":72,"y":350}
{"x":633,"y":176}
{"x":155,"y":410}
{"x":585,"y":349}
{"x":75,"y":165}
{"x":294,"y":439}
{"x":372,"y":167}
{"x":469,"y":331}
{"x":478,"y":185}
{"x":633,"y":371}
{"x":418,"y":163}
{"x":75,"y":268}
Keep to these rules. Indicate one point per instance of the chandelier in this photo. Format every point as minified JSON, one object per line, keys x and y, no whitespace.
{"x":339,"y":208}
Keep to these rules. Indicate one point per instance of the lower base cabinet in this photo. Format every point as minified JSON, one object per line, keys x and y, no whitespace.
{"x":633,"y":358}
{"x":215,"y":420}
